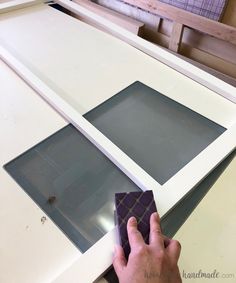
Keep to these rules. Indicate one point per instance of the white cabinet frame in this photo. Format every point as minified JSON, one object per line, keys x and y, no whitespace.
{"x":98,"y":258}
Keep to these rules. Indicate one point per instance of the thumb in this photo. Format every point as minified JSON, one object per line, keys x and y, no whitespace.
{"x":173,"y":250}
{"x":119,"y":260}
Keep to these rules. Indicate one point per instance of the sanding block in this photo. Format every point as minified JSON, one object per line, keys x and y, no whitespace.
{"x":138,"y":204}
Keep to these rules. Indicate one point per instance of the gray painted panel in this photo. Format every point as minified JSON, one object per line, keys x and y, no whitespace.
{"x":74,"y":183}
{"x":159,"y":134}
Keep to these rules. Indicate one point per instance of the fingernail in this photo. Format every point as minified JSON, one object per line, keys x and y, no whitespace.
{"x":155,"y":214}
{"x":132,"y":220}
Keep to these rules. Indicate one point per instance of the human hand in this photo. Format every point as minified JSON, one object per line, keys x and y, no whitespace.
{"x":153,"y":263}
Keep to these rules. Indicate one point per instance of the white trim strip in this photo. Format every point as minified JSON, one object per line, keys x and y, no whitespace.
{"x":117,"y":156}
{"x":198,"y":168}
{"x":17,"y":4}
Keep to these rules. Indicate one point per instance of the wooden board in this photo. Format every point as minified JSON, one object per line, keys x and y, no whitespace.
{"x":128,"y":23}
{"x":155,"y":32}
{"x":176,"y":37}
{"x":229,"y":17}
{"x":197,"y":22}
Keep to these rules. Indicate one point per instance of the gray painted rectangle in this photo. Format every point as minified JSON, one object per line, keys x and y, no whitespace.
{"x":158,"y":133}
{"x":73,"y":182}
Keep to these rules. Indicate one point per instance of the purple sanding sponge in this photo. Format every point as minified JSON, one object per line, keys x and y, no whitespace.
{"x":138,"y":204}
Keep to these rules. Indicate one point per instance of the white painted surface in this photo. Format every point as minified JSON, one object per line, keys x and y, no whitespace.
{"x":85,"y":67}
{"x":11,"y":5}
{"x":208,"y":236}
{"x":166,"y":196}
{"x":29,"y":250}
